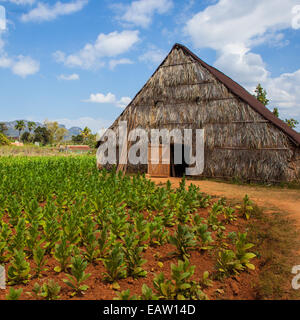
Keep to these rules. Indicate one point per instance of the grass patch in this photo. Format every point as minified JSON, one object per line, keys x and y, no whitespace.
{"x":277,"y":239}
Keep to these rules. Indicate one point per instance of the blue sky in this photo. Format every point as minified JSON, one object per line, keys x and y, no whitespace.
{"x":80,"y":62}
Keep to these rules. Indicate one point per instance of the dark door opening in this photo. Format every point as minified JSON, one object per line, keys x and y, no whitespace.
{"x":177,"y":170}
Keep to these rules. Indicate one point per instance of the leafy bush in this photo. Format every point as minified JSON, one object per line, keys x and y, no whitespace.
{"x":3,"y":140}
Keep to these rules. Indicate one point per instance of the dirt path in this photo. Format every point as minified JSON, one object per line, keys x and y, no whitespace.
{"x":273,"y":199}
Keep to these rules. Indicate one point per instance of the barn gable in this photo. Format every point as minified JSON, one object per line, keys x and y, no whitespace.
{"x":242,"y":137}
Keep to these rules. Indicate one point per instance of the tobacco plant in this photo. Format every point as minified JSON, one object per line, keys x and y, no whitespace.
{"x":4,"y":240}
{"x":62,"y":254}
{"x":242,"y":247}
{"x":204,"y":236}
{"x":229,"y":215}
{"x":19,"y":270}
{"x":180,"y":286}
{"x":18,"y":240}
{"x":157,"y":232}
{"x":133,"y":257}
{"x":115,"y":265}
{"x":103,"y":241}
{"x":183,"y":240}
{"x":14,"y":294}
{"x":39,"y":259}
{"x":246,"y":208}
{"x":48,"y":290}
{"x":78,"y":275}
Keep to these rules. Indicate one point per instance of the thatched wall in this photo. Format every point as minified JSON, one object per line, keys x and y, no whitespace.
{"x":239,"y":142}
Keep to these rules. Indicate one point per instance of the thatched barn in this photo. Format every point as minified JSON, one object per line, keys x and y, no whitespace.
{"x":243,"y":139}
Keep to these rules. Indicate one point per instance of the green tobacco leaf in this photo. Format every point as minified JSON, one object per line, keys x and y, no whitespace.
{"x":250,"y":266}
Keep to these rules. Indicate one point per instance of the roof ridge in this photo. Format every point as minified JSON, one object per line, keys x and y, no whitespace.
{"x":243,"y":94}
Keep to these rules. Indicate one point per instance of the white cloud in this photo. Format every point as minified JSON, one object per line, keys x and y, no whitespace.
{"x":154,"y":56}
{"x":141,"y":12}
{"x":106,"y":45}
{"x":20,"y":65}
{"x":70,"y":77}
{"x":108,"y":98}
{"x":246,"y":67}
{"x":24,"y":66}
{"x":285,"y":91}
{"x":45,"y":12}
{"x":240,"y":23}
{"x":233,"y":29}
{"x":102,"y":98}
{"x":113,"y":63}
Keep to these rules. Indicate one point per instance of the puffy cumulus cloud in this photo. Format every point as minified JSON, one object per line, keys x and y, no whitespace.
{"x":105,"y":46}
{"x":233,"y":29}
{"x":25,"y":66}
{"x":70,"y":77}
{"x":141,"y":12}
{"x":46,"y":12}
{"x":22,"y":66}
{"x":108,"y":98}
{"x":239,"y":22}
{"x":102,"y":98}
{"x":285,"y":91}
{"x":247,"y":67}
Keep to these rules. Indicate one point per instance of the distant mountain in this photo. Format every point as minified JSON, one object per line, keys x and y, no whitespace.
{"x":12,"y":132}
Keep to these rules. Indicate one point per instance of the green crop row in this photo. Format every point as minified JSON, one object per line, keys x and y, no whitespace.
{"x":64,"y":208}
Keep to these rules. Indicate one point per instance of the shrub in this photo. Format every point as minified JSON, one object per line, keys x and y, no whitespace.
{"x":3,"y":140}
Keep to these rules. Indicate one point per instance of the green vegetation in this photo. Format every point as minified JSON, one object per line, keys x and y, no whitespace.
{"x":93,"y":218}
{"x":3,"y":140}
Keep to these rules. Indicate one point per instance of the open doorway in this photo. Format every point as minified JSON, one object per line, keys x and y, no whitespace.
{"x":177,"y":170}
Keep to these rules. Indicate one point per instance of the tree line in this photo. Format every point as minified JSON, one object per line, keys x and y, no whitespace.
{"x":49,"y":134}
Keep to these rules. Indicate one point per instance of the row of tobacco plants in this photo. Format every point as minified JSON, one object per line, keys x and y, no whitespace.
{"x":64,"y":210}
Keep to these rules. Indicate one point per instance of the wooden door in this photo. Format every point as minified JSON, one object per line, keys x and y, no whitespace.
{"x":156,"y":167}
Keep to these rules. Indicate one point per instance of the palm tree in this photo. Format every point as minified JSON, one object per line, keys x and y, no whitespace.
{"x":31,"y":126}
{"x":20,"y":126}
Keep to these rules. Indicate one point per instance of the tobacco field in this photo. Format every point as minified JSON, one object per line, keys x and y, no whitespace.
{"x":68,"y":231}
